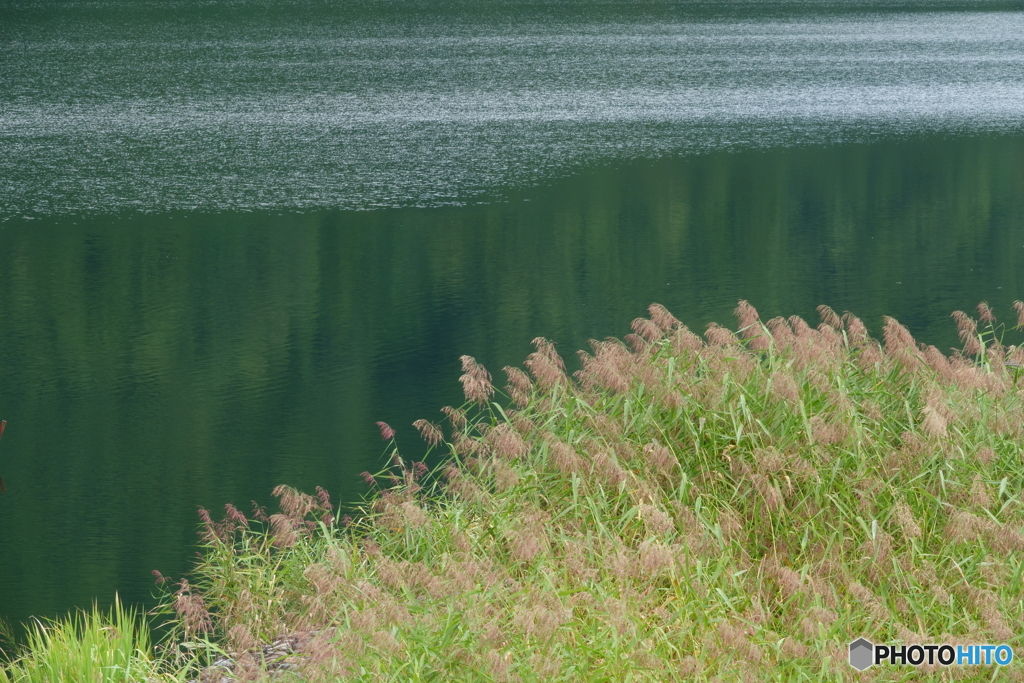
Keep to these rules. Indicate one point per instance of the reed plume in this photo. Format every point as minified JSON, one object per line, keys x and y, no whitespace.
{"x":1019,"y":307}
{"x":829,"y":317}
{"x":720,"y":336}
{"x":967,"y":328}
{"x":985,"y":314}
{"x":767,"y":489}
{"x":476,"y":381}
{"x":647,"y":330}
{"x":662,"y":318}
{"x":386,"y":432}
{"x":456,"y":416}
{"x":430,"y":432}
{"x":519,"y":385}
{"x":546,"y":365}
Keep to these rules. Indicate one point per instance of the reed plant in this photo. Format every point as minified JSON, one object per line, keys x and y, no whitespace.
{"x":737,"y":507}
{"x":87,"y":647}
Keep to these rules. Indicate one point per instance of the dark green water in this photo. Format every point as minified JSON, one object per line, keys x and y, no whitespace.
{"x":233,"y":238}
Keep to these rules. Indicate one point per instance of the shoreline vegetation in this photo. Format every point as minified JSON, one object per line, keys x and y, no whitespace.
{"x":737,"y":507}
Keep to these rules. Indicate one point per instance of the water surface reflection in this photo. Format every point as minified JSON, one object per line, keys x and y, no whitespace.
{"x":151,"y":363}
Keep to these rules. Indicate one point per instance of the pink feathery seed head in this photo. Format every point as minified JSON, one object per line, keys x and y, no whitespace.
{"x":259,"y":513}
{"x":547,"y":349}
{"x":973,"y":347}
{"x":519,"y":385}
{"x":938,"y":362}
{"x":963,"y":526}
{"x":897,"y":337}
{"x":965,"y":325}
{"x":647,"y":329}
{"x":386,"y":432}
{"x":214,"y":532}
{"x":419,"y":469}
{"x":719,"y":336}
{"x":476,"y":381}
{"x":662,"y":318}
{"x":769,"y":461}
{"x":608,"y":470}
{"x":465,"y":445}
{"x":505,"y":477}
{"x":545,"y":364}
{"x":612,"y":352}
{"x":661,"y":458}
{"x":655,"y":557}
{"x":517,"y":378}
{"x":750,"y":326}
{"x":526,"y":544}
{"x":855,"y":328}
{"x":781,"y":331}
{"x":285,"y":530}
{"x":684,"y":340}
{"x":602,"y":371}
{"x":790,"y":582}
{"x":368,"y":478}
{"x":241,"y":638}
{"x":656,"y":520}
{"x":759,"y":342}
{"x":507,"y":442}
{"x":830,"y":337}
{"x":204,"y":516}
{"x":191,"y":610}
{"x":159,"y":578}
{"x":471,"y":367}
{"x":906,"y":521}
{"x":800,"y":326}
{"x":524,"y":425}
{"x":293,"y":502}
{"x":985,"y":314}
{"x":1019,"y":307}
{"x":346,"y":520}
{"x":456,"y":416}
{"x":829,"y":317}
{"x":979,"y":493}
{"x":747,"y":317}
{"x":564,"y":458}
{"x":430,"y":432}
{"x":235,"y":515}
{"x":809,"y":354}
{"x":324,"y":498}
{"x":996,"y":355}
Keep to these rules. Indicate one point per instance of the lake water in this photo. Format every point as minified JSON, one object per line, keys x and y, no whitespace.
{"x":235,"y":234}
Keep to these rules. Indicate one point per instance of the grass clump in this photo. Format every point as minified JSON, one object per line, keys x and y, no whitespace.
{"x":737,"y":507}
{"x":87,"y":647}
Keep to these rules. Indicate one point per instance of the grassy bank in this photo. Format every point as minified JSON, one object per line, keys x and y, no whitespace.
{"x":93,"y":647}
{"x":733,"y":508}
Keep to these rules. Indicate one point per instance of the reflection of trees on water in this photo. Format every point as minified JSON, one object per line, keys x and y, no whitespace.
{"x":156,"y":363}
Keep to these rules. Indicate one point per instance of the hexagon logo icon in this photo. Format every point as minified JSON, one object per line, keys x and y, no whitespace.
{"x":862,"y":652}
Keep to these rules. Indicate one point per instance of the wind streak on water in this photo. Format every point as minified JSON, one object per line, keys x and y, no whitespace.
{"x":363,"y":111}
